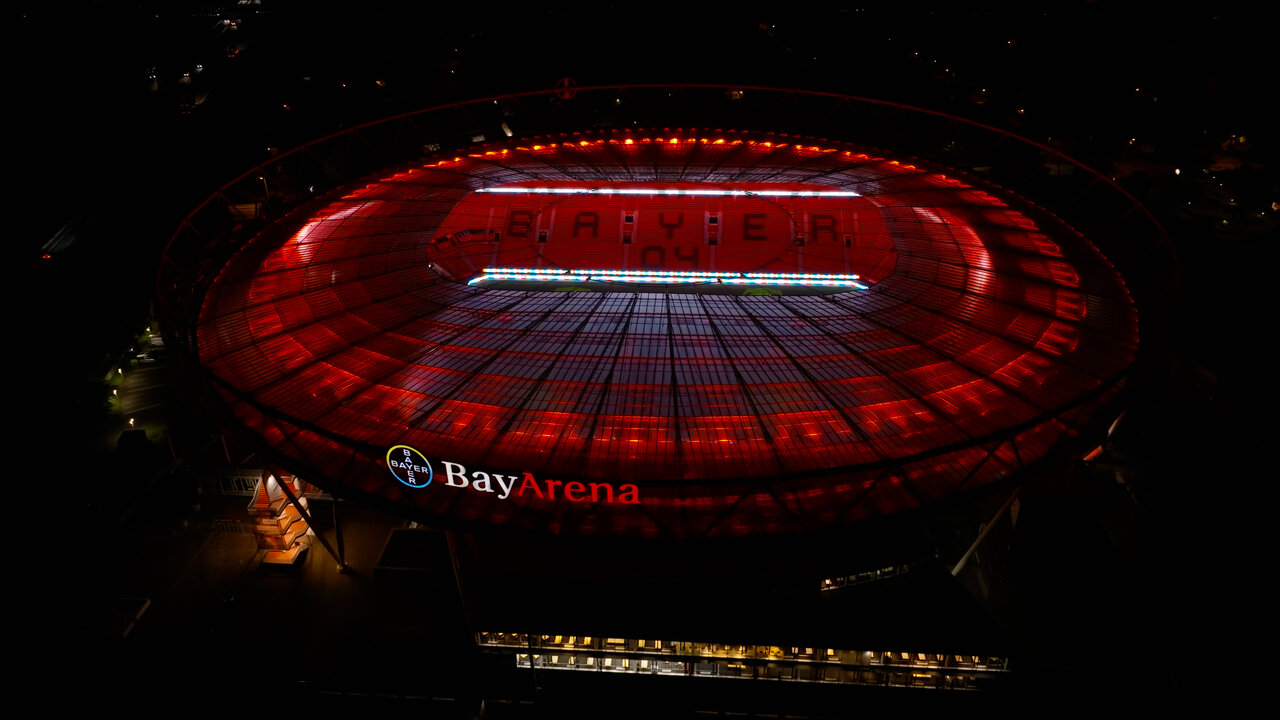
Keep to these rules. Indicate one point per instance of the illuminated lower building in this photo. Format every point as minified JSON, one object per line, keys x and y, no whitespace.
{"x":659,"y":339}
{"x":760,"y":662}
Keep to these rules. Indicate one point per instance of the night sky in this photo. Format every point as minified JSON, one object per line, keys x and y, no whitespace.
{"x":115,"y":144}
{"x":118,"y":135}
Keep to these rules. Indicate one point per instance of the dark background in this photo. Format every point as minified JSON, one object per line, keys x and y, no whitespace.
{"x":115,"y":135}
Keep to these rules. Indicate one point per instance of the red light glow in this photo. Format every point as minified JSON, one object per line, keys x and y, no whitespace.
{"x":983,"y":339}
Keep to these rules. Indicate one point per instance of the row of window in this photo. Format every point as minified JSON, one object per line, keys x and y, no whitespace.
{"x":658,"y":657}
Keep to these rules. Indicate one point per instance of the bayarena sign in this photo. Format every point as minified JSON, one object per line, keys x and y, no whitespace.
{"x":413,"y":469}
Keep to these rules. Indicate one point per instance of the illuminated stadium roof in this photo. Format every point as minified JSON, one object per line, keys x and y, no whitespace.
{"x":351,"y":339}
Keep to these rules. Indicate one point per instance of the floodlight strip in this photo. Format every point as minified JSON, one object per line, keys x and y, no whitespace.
{"x":670,"y":277}
{"x":692,"y":192}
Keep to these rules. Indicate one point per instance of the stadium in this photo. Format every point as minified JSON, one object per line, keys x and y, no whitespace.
{"x":669,"y":322}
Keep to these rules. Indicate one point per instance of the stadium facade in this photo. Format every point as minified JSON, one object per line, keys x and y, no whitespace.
{"x":668,"y":328}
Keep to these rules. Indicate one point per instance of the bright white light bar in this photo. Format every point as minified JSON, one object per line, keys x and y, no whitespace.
{"x":669,"y":277}
{"x":693,"y":192}
{"x":533,"y":274}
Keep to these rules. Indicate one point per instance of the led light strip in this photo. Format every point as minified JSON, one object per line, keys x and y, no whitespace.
{"x":698,"y":192}
{"x":669,"y":277}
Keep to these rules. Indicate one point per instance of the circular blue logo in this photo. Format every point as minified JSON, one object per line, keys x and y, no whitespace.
{"x":409,"y":466}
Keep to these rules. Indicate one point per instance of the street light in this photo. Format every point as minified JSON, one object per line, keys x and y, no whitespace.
{"x":266,"y":194}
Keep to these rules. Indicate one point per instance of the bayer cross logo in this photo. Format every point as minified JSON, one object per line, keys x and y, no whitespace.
{"x":409,"y":466}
